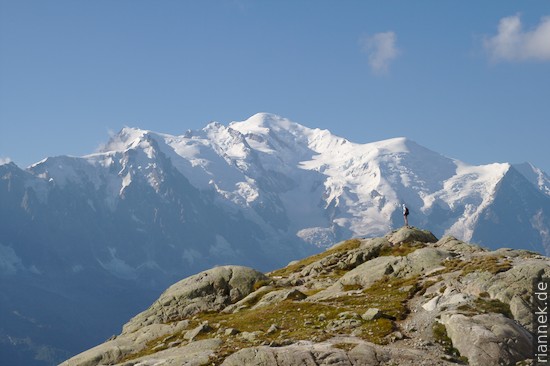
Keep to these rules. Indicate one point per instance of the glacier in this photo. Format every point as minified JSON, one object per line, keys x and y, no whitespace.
{"x":316,"y":185}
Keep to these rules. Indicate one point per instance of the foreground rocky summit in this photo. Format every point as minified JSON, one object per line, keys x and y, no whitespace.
{"x":404,"y":299}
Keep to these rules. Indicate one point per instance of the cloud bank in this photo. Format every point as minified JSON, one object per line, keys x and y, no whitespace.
{"x":381,"y":50}
{"x":511,"y":43}
{"x":4,"y":160}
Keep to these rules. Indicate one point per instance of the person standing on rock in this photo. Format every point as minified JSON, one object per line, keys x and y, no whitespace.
{"x":406,"y":215}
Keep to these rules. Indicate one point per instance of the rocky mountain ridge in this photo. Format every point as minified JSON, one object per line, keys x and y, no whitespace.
{"x":304,"y":184}
{"x":403,"y":299}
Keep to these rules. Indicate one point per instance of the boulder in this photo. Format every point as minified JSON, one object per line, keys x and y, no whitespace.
{"x":420,"y":262}
{"x":328,"y":353}
{"x":203,"y":328}
{"x":194,"y":354}
{"x":431,"y":304}
{"x":409,"y":235}
{"x":366,"y":274}
{"x":112,"y":351}
{"x":372,"y":314}
{"x":512,"y":287}
{"x":363,"y":354}
{"x":272,"y":329}
{"x":522,"y":310}
{"x":452,"y":244}
{"x":210,"y":290}
{"x":301,"y":354}
{"x":278,"y":296}
{"x":252,"y":298}
{"x":231,"y":331}
{"x":250,"y":336}
{"x":488,"y":339}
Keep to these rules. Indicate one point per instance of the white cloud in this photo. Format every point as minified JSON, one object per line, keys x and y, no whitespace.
{"x":514,"y":44}
{"x":4,"y":160}
{"x":381,"y":50}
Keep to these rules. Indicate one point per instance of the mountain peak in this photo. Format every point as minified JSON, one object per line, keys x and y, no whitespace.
{"x":126,"y":138}
{"x":262,"y":123}
{"x":535,"y":175}
{"x":401,"y":145}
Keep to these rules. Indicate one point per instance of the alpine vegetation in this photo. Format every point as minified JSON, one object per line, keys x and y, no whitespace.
{"x":403,"y":299}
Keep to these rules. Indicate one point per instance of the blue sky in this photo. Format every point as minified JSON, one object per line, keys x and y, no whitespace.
{"x":468,"y":79}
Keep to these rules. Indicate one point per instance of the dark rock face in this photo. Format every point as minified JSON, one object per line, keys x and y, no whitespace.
{"x":515,"y":201}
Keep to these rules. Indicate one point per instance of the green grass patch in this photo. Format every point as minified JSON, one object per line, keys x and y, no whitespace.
{"x":376,"y":331}
{"x":401,"y":250}
{"x":487,"y":263}
{"x":493,"y":306}
{"x":312,"y":291}
{"x":290,"y":316}
{"x":491,"y":264}
{"x":467,"y":309}
{"x":483,"y":306}
{"x":389,"y":294}
{"x":297,"y":320}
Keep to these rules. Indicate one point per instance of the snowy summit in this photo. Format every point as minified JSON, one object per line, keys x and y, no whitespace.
{"x":310,"y":183}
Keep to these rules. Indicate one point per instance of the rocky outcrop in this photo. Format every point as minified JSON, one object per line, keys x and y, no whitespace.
{"x":409,"y":235}
{"x":210,"y":290}
{"x":337,"y":352}
{"x":488,"y":339}
{"x":454,"y":245}
{"x":405,"y":299}
{"x":418,"y":262}
{"x":123,"y":345}
{"x":512,"y":287}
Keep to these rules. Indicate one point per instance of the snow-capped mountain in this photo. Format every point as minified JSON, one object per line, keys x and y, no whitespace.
{"x":149,"y":208}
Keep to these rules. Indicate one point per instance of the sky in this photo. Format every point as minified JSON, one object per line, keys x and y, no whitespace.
{"x":468,"y":79}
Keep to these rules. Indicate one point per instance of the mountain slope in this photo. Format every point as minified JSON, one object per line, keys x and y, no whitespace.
{"x":149,"y":208}
{"x":406,"y":299}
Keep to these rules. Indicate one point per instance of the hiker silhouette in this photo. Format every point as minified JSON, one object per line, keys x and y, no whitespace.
{"x":406,"y":215}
